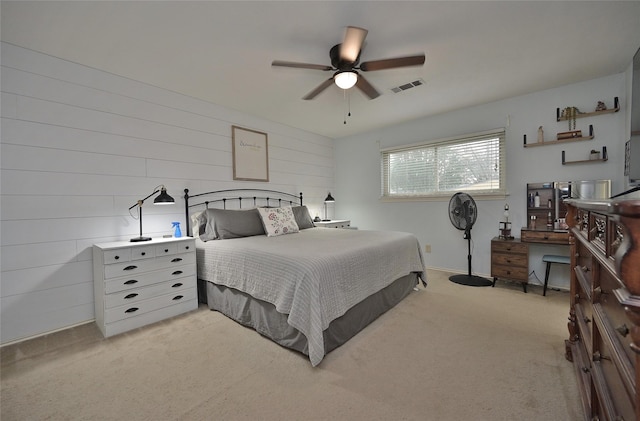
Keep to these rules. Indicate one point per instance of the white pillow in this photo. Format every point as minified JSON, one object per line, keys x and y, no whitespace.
{"x":278,"y":221}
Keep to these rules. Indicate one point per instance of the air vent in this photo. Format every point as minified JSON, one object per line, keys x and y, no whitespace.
{"x":406,"y":86}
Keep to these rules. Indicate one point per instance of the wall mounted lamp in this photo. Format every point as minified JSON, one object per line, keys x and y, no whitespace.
{"x":329,"y":199}
{"x":162,"y":199}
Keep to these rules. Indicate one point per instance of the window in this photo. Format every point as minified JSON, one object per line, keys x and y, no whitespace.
{"x":473,"y":163}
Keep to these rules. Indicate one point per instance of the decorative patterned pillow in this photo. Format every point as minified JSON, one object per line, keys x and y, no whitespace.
{"x":278,"y":221}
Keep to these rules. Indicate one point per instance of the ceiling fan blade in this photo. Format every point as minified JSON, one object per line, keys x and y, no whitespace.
{"x":352,"y":43}
{"x":301,"y":65}
{"x":392,"y":63}
{"x":367,"y":88}
{"x":324,"y":85}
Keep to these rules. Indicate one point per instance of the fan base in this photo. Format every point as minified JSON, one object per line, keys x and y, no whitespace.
{"x":470,"y":280}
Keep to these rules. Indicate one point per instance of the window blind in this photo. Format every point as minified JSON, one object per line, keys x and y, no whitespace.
{"x":469,"y":163}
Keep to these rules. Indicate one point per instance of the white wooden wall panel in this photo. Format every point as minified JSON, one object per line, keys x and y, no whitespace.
{"x":44,"y":135}
{"x":23,"y":281}
{"x":79,"y":146}
{"x":34,"y":255}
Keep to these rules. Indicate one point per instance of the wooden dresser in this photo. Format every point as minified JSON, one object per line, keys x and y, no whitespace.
{"x":604,"y":317}
{"x":510,"y":260}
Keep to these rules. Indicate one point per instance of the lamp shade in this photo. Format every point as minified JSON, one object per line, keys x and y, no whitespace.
{"x":163,"y":198}
{"x":329,"y":199}
{"x":346,"y":80}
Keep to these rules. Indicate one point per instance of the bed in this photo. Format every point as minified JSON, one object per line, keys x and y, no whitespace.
{"x":306,"y":288}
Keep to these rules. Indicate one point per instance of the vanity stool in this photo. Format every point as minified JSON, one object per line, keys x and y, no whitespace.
{"x":552,"y":258}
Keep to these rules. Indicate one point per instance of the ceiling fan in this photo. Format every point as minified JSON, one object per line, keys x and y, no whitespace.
{"x":345,"y":61}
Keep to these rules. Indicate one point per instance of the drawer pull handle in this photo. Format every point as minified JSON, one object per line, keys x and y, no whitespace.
{"x":186,"y":248}
{"x":585,"y":369}
{"x":179,"y":284}
{"x":597,"y":356}
{"x":178,"y":297}
{"x":132,"y":267}
{"x":177,"y":272}
{"x":508,"y":272}
{"x":587,"y":320}
{"x":177,"y":259}
{"x":143,"y":253}
{"x":508,"y":260}
{"x":131,"y":310}
{"x":132,"y":295}
{"x":131,"y":282}
{"x":116,"y":257}
{"x":166,"y":250}
{"x":623,"y":330}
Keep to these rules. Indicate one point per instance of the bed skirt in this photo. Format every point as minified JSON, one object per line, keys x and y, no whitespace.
{"x":266,"y":320}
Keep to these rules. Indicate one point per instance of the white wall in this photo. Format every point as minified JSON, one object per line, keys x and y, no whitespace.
{"x":79,"y":146}
{"x":358,"y":177}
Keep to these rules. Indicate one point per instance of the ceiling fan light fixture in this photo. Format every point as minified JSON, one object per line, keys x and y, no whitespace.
{"x":346,"y":80}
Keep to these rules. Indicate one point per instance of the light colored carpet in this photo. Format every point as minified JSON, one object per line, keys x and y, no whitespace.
{"x":447,"y":352}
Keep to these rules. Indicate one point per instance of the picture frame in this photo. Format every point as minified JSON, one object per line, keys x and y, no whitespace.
{"x":250,"y":152}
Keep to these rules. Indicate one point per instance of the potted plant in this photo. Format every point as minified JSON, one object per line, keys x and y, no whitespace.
{"x":570,"y":114}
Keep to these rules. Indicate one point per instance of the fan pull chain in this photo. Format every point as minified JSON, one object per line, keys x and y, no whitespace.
{"x":347,"y":99}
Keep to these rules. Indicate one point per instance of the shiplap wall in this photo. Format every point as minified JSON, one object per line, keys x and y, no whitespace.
{"x":79,"y":146}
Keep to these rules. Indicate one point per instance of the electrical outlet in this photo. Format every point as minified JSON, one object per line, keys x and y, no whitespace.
{"x":427,"y":248}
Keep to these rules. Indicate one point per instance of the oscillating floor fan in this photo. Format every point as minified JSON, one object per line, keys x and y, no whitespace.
{"x":463,"y":214}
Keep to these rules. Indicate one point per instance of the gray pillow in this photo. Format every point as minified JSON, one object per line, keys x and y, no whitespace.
{"x":303,"y":219}
{"x":223,"y":224}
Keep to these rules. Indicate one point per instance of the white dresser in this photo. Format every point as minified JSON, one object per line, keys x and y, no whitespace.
{"x":140,"y":283}
{"x":334,"y":223}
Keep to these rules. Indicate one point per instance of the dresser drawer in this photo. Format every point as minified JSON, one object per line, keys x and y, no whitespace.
{"x":546,"y":237}
{"x":134,"y":295}
{"x":609,"y":384}
{"x":509,"y":247}
{"x":510,"y":272}
{"x":143,"y":252}
{"x":135,"y":309}
{"x":135,"y":267}
{"x":138,"y":280}
{"x":117,"y":256}
{"x":519,"y":260}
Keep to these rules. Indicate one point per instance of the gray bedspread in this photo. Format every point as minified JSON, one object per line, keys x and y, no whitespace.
{"x":313,"y":276}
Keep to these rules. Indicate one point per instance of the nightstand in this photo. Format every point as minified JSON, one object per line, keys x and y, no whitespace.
{"x":335,"y":223}
{"x":136,"y":284}
{"x":510,"y":260}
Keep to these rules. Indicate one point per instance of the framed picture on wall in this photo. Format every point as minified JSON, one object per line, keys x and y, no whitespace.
{"x":250,"y":154}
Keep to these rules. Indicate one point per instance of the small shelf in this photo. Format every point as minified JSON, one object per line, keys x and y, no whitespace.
{"x":615,"y":109}
{"x":553,"y":142}
{"x":587,"y":161}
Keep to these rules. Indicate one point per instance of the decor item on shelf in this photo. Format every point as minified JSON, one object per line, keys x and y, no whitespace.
{"x":463,"y":214}
{"x":162,"y":199}
{"x":570,"y":114}
{"x":536,"y":200}
{"x":540,"y":135}
{"x":594,"y":154}
{"x":570,"y":134}
{"x":601,"y":106}
{"x":328,"y":199}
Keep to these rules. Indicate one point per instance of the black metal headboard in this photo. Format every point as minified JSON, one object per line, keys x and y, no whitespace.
{"x":259,"y":197}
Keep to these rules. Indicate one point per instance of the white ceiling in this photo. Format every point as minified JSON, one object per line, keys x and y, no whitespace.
{"x":477,"y":51}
